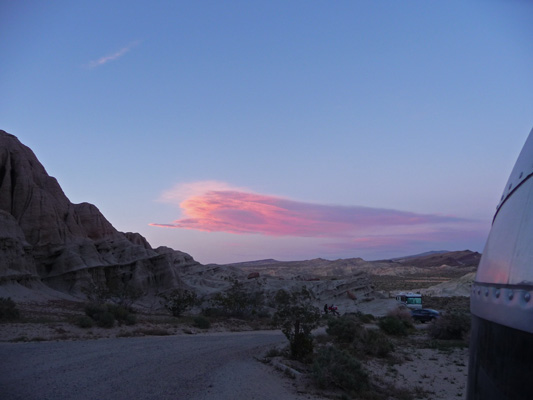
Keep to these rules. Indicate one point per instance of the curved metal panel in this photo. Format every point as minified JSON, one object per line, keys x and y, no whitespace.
{"x":501,"y":301}
{"x":503,"y":287}
{"x":522,"y":169}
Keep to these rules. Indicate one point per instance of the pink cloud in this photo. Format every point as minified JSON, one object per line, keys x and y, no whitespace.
{"x":217,"y":207}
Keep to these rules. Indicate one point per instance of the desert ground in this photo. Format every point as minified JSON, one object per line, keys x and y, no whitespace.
{"x":46,"y":356}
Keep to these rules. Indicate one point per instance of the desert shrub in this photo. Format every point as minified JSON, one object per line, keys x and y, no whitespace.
{"x":393,"y":326}
{"x":403,"y":314}
{"x":344,"y":329}
{"x":452,"y":326}
{"x":348,"y":330}
{"x":238,"y":302}
{"x":8,"y":310}
{"x":201,"y":322}
{"x":106,"y":320}
{"x":85,"y":321}
{"x":130,"y":319}
{"x":118,"y":290}
{"x":94,"y":310}
{"x":121,"y":314}
{"x":297,"y":317}
{"x":397,"y":322}
{"x":178,"y":301}
{"x":375,"y":343}
{"x":105,"y":314}
{"x":334,"y":367}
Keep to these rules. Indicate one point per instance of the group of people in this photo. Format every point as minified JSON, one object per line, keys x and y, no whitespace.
{"x":331,"y":309}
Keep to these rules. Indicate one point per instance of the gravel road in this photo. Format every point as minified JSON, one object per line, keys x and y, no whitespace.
{"x":200,"y":367}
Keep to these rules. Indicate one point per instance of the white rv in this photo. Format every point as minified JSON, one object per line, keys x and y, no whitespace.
{"x":411,"y":300}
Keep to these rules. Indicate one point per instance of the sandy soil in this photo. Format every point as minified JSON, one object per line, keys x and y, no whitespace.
{"x":440,"y":374}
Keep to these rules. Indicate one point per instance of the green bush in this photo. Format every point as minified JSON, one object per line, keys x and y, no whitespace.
{"x":344,"y":329}
{"x":8,"y":310}
{"x":85,"y":321}
{"x":94,"y":310}
{"x":376,"y":343}
{"x":106,"y":320}
{"x":178,"y":301}
{"x":238,"y":302}
{"x":452,"y":326}
{"x":393,"y":326}
{"x":201,"y":322}
{"x":397,"y":322}
{"x":334,"y":367}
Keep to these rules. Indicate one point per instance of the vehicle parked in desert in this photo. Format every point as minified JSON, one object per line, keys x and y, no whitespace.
{"x":424,"y":314}
{"x":410,"y":300}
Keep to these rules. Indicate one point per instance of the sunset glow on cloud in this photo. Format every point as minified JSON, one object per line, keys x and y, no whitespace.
{"x":218,"y":207}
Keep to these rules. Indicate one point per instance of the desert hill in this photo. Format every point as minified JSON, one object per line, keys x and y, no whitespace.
{"x":47,"y":242}
{"x":50,"y":247}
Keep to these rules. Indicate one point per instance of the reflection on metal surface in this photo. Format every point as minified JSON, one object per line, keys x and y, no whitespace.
{"x":501,"y":345}
{"x":507,"y":259}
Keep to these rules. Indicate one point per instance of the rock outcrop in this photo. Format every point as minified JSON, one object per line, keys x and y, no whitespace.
{"x":46,"y":239}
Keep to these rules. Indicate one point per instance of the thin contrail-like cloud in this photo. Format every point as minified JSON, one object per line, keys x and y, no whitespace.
{"x":104,"y":60}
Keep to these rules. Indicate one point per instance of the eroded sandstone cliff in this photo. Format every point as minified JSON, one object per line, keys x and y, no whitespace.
{"x":46,"y":239}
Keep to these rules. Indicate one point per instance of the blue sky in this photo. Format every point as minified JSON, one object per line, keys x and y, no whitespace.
{"x":275,"y":129}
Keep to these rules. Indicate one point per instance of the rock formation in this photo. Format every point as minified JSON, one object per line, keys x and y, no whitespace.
{"x":46,"y":239}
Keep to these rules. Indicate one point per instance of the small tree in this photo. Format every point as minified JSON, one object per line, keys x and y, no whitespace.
{"x":238,"y":302}
{"x":178,"y":301}
{"x":297,"y":317}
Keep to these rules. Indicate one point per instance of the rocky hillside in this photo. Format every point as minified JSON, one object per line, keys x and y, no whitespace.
{"x":47,"y":241}
{"x":51,"y":246}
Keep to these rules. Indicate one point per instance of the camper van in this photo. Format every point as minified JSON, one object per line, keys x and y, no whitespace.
{"x":410,"y":300}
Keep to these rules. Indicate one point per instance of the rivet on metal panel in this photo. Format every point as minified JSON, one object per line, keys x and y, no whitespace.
{"x":486,"y":292}
{"x":497,"y":293}
{"x":527,"y":297}
{"x":510,"y":295}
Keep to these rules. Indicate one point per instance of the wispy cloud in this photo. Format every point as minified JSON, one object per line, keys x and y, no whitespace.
{"x":111,"y":57}
{"x":218,"y":207}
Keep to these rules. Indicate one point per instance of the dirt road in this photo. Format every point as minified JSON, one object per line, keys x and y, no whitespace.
{"x":200,"y":367}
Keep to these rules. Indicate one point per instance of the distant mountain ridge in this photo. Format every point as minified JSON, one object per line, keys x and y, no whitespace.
{"x":427,"y":253}
{"x":437,"y":258}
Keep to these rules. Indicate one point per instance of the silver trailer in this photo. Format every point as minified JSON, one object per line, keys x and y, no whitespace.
{"x":501,"y":345}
